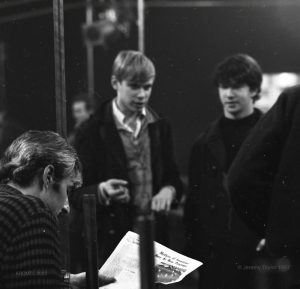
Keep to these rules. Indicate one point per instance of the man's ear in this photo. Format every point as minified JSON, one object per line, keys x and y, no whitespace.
{"x":48,"y":175}
{"x":254,"y":92}
{"x":114,"y":82}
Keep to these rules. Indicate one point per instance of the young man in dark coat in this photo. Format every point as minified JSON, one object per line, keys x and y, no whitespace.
{"x":264,"y":182}
{"x":127,"y":155}
{"x":215,"y":235}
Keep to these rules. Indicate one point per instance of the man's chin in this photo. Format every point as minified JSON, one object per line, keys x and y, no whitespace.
{"x":139,"y":108}
{"x":233,"y":111}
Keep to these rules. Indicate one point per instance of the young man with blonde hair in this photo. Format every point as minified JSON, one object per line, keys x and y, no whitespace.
{"x":127,"y":155}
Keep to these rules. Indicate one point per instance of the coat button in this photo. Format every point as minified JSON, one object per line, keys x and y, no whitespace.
{"x":212,"y":207}
{"x":214,"y":170}
{"x":111,"y":232}
{"x":112,"y":215}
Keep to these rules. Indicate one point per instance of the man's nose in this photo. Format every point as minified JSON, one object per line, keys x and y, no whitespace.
{"x":142,"y":93}
{"x":66,"y":207}
{"x":228,"y":92}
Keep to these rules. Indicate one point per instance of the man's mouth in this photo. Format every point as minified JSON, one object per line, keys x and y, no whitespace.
{"x":139,"y":104}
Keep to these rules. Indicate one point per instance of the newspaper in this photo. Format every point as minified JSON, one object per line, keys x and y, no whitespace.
{"x":124,"y":265}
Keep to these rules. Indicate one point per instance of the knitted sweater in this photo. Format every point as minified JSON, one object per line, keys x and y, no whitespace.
{"x":29,"y":243}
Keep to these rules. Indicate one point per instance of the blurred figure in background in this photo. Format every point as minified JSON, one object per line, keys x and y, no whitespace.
{"x":215,"y":234}
{"x":82,"y":108}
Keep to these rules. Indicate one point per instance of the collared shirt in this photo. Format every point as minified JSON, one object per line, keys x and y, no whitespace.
{"x":123,"y":121}
{"x":136,"y":143}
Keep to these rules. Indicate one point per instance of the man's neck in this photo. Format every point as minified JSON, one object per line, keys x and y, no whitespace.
{"x":31,"y":190}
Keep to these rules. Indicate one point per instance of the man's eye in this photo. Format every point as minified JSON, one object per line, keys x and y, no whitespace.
{"x":223,"y":86}
{"x":134,"y":86}
{"x":74,"y":187}
{"x":147,"y":87}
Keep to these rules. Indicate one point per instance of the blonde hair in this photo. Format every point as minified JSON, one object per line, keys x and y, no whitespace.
{"x":133,"y":66}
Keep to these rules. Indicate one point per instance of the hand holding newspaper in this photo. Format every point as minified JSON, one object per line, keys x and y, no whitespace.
{"x":124,"y":265}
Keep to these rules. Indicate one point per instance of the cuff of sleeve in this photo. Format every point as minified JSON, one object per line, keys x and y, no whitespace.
{"x":66,"y":276}
{"x":102,"y":196}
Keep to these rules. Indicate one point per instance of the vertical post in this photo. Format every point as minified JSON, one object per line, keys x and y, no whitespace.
{"x":61,"y":120}
{"x":141,"y":25}
{"x":90,"y":50}
{"x":145,"y":226}
{"x":59,"y":54}
{"x":2,"y":76}
{"x":90,"y":226}
{"x":60,"y":104}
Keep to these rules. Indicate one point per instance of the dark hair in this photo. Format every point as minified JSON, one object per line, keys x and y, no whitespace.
{"x":237,"y":70}
{"x":31,"y":152}
{"x":133,"y":66}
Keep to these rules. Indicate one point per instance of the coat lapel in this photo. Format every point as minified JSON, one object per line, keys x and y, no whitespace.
{"x":154,"y":141}
{"x":109,"y":133}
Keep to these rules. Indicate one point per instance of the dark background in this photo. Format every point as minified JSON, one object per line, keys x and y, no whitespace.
{"x":185,"y":44}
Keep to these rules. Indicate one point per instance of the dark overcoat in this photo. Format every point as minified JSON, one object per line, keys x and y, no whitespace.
{"x":264,"y":180}
{"x":209,"y":219}
{"x":103,"y":157}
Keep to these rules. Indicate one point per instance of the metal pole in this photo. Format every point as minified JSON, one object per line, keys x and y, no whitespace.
{"x":90,"y":50}
{"x":60,"y":81}
{"x":2,"y":77}
{"x":61,"y":121}
{"x":90,"y":226}
{"x":145,"y":226}
{"x":141,"y":25}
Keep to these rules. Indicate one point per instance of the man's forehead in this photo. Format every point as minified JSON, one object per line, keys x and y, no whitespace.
{"x":140,"y":82}
{"x":232,"y":84}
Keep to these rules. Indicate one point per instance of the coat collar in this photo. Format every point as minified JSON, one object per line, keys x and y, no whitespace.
{"x":109,"y":133}
{"x":104,"y":113}
{"x":215,"y":142}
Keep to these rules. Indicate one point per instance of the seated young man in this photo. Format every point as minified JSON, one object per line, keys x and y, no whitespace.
{"x":36,"y":172}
